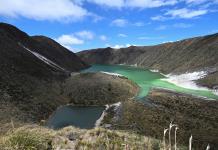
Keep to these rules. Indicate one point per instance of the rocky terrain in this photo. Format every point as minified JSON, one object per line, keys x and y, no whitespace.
{"x":98,"y":89}
{"x":194,"y":116}
{"x":189,"y":55}
{"x":32,"y":70}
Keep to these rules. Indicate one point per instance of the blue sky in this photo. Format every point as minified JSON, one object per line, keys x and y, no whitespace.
{"x":86,"y":24}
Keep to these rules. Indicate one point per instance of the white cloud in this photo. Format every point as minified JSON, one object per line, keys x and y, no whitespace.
{"x":196,"y":2}
{"x":109,"y":3}
{"x":119,"y":22}
{"x":149,"y":3}
{"x":159,"y":18}
{"x":103,"y":37}
{"x":185,"y":13}
{"x":182,"y":25}
{"x":138,"y":24}
{"x":120,"y":46}
{"x":122,"y":35}
{"x":161,"y":27}
{"x":85,"y":35}
{"x":53,"y":10}
{"x":133,"y":3}
{"x":124,"y":22}
{"x":68,"y":40}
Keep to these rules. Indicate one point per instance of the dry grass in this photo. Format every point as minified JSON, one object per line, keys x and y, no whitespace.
{"x":33,"y":137}
{"x":27,"y":138}
{"x":99,"y":138}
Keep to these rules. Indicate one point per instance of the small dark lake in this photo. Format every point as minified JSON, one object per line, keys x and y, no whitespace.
{"x":82,"y":117}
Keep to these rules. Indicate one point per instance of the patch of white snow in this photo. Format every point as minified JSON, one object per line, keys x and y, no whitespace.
{"x":187,"y":80}
{"x":113,"y":74}
{"x":44,"y":59}
{"x":154,"y":70}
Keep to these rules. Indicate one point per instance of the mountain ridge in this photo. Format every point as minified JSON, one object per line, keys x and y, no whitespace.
{"x":209,"y":40}
{"x":31,"y":75}
{"x":188,"y":55}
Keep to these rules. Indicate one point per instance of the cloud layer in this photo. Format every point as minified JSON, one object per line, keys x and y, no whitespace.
{"x":53,"y":10}
{"x":71,"y":10}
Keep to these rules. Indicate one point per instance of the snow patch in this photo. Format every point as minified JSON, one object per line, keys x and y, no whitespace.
{"x":44,"y":59}
{"x":134,"y":65}
{"x":154,"y":70}
{"x":215,"y":92}
{"x":113,"y":74}
{"x":187,"y":80}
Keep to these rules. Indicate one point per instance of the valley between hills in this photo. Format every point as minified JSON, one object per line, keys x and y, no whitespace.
{"x":135,"y":92}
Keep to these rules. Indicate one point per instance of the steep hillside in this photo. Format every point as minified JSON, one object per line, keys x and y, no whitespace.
{"x":200,"y":53}
{"x":57,"y":53}
{"x":31,"y":76}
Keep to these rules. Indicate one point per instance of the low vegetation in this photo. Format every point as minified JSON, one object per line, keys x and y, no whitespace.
{"x":98,"y":89}
{"x":150,"y":117}
{"x":210,"y":81}
{"x":27,"y":138}
{"x":39,"y":138}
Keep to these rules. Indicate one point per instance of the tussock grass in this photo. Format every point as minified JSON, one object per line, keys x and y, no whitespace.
{"x":27,"y":138}
{"x":98,"y":139}
{"x":34,"y":137}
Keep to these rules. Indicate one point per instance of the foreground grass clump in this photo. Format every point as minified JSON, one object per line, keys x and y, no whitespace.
{"x":117,"y":140}
{"x":40,"y":138}
{"x":27,"y":138}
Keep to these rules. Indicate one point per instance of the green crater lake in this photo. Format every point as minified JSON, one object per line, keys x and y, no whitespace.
{"x":85,"y":117}
{"x":147,"y":79}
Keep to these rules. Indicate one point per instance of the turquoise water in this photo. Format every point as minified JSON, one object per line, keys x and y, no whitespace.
{"x":82,"y":117}
{"x":85,"y":117}
{"x":147,"y":79}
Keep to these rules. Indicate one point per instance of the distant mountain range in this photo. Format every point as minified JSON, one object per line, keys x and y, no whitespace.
{"x":189,"y":55}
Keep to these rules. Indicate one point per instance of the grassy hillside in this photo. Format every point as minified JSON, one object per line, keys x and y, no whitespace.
{"x":193,"y":115}
{"x":39,"y":138}
{"x":98,"y":89}
{"x":211,"y":80}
